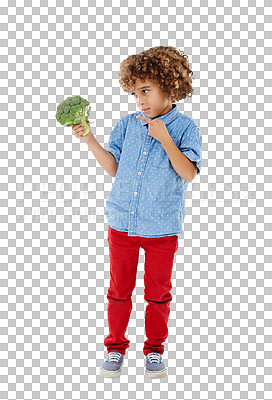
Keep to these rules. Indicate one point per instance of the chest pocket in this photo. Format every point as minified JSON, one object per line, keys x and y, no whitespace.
{"x":158,"y":156}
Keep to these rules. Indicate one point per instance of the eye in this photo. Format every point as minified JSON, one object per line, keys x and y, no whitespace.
{"x":144,"y":90}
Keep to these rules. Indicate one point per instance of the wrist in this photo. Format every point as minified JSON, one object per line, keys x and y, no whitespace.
{"x":166,"y":140}
{"x":90,"y":140}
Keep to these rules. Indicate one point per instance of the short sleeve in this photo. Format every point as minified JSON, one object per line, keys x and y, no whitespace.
{"x":191,"y":145}
{"x":116,"y":141}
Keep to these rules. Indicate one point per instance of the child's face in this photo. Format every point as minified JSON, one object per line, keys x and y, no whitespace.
{"x":149,"y":95}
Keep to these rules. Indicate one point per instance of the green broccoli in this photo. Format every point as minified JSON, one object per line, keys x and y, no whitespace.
{"x":72,"y":111}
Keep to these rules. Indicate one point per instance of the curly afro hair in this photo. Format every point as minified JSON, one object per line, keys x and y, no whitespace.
{"x":166,"y":66}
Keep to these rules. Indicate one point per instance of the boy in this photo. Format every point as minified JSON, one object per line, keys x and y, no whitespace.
{"x":152,"y":154}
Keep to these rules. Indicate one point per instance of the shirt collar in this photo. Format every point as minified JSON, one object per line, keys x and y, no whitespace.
{"x":167,"y":118}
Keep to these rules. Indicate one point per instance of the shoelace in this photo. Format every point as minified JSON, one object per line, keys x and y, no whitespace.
{"x":154,"y":357}
{"x":114,"y":357}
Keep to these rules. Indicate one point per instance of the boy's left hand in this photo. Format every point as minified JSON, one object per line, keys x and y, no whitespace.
{"x":157,"y":128}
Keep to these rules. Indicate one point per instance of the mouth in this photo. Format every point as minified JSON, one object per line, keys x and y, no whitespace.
{"x":145,"y":110}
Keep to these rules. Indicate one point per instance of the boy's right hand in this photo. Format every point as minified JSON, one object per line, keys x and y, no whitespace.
{"x":79,"y":129}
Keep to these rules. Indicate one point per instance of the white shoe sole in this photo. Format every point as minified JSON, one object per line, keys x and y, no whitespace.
{"x":155,"y":374}
{"x":110,"y":374}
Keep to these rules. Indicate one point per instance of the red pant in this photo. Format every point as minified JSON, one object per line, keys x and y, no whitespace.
{"x":159,"y":258}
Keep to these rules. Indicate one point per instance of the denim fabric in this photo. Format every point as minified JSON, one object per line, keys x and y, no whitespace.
{"x":148,"y":196}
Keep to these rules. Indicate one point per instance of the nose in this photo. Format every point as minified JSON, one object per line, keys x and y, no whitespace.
{"x":140,"y":101}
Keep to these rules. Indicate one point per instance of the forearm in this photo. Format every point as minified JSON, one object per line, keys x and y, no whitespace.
{"x":181,"y":164}
{"x":104,"y":158}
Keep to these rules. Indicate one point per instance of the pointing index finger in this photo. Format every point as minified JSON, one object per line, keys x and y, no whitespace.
{"x":143,"y":119}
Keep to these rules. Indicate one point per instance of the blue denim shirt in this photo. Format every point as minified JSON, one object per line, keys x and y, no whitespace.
{"x":148,"y":196}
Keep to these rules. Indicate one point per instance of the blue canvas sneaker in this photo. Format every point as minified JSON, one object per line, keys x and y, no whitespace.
{"x":111,"y":368}
{"x":154,"y":367}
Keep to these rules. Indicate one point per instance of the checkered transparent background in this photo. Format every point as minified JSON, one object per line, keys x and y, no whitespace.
{"x":54,"y":249}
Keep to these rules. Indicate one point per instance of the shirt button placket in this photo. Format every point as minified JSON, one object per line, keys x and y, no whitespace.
{"x":134,"y":203}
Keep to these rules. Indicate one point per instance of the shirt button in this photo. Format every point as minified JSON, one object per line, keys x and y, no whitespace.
{"x":144,"y":153}
{"x":135,"y":193}
{"x":139,"y":173}
{"x":132,"y":212}
{"x":198,"y":159}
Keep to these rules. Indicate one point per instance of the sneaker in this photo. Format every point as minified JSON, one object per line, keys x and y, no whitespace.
{"x":154,"y":367}
{"x":111,"y":368}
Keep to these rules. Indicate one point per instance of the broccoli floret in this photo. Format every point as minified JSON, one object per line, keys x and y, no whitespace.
{"x":72,"y":111}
